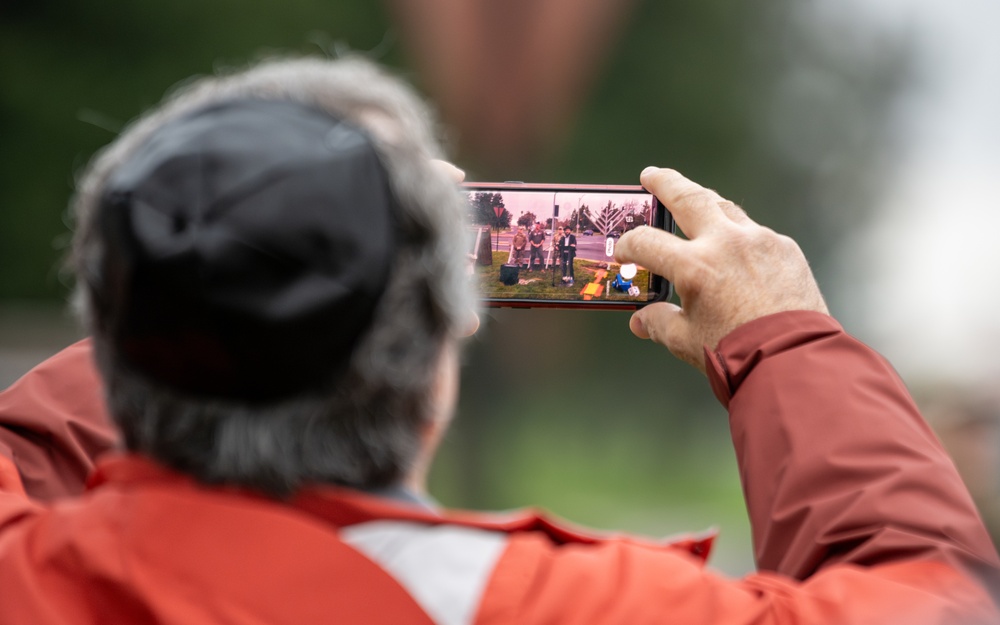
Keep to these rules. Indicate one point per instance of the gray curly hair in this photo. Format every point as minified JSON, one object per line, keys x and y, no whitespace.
{"x":365,"y":433}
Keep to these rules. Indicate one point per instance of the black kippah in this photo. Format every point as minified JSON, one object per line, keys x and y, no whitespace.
{"x":247,"y":246}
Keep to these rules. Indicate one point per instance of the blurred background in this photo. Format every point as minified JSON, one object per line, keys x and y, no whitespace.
{"x":867,"y":131}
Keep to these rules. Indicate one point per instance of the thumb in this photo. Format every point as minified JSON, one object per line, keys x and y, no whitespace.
{"x":657,"y":322}
{"x":666,"y":324}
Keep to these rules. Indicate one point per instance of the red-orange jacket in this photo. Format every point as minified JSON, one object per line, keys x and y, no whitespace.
{"x":858,"y":516}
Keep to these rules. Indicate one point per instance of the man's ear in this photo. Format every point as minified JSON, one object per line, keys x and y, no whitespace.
{"x":470,"y":327}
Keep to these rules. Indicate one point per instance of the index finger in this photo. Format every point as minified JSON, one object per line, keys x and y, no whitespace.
{"x":454,"y":173}
{"x":652,"y":248}
{"x":695,"y":208}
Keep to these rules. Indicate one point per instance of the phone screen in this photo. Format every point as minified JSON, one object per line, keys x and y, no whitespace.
{"x":554,"y":245}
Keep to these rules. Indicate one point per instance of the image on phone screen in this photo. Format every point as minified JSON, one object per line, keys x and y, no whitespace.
{"x":556,"y":245}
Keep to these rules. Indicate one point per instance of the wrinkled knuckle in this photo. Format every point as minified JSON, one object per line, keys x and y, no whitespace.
{"x":693,"y":196}
{"x":785,"y":246}
{"x":698,"y":275}
{"x":740,"y":240}
{"x":764,"y":239}
{"x":765,"y":232}
{"x":787,"y":242}
{"x":695,"y":278}
{"x":731,"y":208}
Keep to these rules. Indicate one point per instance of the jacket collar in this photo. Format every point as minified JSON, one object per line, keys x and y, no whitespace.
{"x":342,"y":507}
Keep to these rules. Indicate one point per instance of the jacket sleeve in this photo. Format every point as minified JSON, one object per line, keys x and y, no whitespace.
{"x":858,"y":515}
{"x":837,"y":464}
{"x":53,"y":424}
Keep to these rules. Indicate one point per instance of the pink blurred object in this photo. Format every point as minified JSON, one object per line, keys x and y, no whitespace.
{"x":509,"y":76}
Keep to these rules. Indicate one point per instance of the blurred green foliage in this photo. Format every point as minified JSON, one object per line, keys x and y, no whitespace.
{"x":74,"y":73}
{"x":758,"y":99}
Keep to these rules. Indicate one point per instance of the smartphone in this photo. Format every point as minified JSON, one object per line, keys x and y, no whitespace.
{"x":553,"y":245}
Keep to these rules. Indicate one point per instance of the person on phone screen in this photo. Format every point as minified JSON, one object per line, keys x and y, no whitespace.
{"x":517,"y":247}
{"x":536,"y":240}
{"x":271,"y":269}
{"x":567,"y":253}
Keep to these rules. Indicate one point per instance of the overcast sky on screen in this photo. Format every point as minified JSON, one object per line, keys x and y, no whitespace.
{"x":541,"y":203}
{"x":926,"y":276}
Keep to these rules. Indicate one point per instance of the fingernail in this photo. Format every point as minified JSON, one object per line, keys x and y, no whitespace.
{"x":649,"y":170}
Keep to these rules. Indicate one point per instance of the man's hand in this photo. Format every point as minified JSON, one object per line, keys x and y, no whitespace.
{"x":729,"y":272}
{"x":448,"y":169}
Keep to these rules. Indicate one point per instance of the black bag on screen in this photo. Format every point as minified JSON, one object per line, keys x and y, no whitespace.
{"x":508,"y":274}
